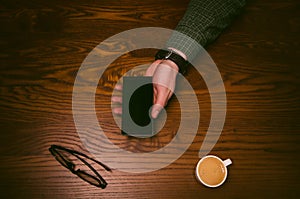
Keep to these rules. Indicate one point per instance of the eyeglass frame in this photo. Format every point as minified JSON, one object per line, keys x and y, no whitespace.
{"x":54,"y":150}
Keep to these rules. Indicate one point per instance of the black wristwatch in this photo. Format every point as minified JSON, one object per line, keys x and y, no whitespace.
{"x":171,"y":55}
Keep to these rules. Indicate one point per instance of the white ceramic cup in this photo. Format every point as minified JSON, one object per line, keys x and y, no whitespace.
{"x":224,"y":164}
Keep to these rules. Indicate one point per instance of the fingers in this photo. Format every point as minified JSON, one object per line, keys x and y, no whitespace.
{"x":117,"y":110}
{"x":119,"y":87}
{"x":116,"y":99}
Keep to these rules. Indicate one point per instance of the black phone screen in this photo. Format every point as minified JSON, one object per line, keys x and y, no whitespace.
{"x":137,"y":100}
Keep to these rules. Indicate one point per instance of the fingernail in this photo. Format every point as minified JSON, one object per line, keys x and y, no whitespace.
{"x":155,"y":113}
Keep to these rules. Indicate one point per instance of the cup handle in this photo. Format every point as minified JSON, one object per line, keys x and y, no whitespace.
{"x":227,"y":162}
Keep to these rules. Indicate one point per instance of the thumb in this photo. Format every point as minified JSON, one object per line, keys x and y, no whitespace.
{"x":160,"y":101}
{"x":156,"y":109}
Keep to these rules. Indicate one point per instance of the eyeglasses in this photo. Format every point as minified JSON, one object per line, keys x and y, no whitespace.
{"x":96,"y":179}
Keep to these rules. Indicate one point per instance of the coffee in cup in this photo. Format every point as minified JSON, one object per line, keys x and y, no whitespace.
{"x":212,"y":171}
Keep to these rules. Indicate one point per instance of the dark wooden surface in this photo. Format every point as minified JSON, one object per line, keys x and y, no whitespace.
{"x":42,"y":46}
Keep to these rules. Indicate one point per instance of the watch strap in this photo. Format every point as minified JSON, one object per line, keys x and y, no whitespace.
{"x":176,"y":58}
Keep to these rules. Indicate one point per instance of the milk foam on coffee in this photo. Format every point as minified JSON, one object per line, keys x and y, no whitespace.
{"x":212,"y":171}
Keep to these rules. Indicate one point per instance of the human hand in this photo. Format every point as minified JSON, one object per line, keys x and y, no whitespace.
{"x":163,"y":74}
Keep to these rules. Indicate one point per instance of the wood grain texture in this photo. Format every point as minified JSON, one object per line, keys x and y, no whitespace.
{"x":42,"y":46}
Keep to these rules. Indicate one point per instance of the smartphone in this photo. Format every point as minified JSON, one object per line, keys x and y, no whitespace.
{"x":137,"y":100}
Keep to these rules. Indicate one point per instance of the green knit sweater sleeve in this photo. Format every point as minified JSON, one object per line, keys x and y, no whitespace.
{"x":203,"y":21}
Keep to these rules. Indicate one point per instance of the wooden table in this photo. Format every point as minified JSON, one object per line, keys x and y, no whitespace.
{"x":43,"y":44}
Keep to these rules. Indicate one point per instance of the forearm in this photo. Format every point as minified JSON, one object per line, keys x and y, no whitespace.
{"x":203,"y":21}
